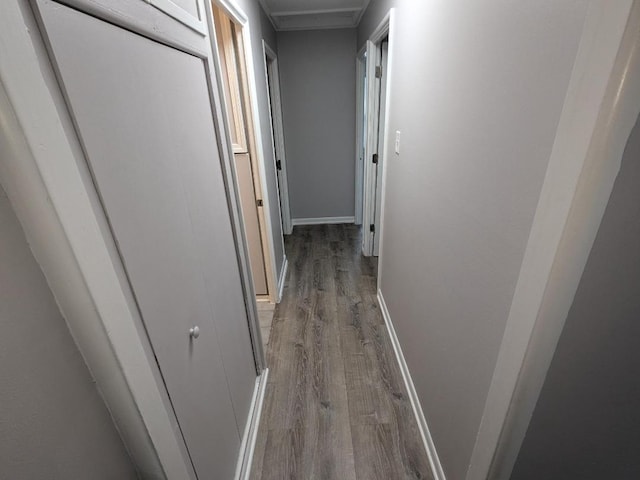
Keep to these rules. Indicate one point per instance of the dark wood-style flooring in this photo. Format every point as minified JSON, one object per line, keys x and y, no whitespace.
{"x":335,"y":405}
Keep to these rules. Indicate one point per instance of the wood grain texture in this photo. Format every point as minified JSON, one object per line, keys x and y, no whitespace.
{"x":335,"y":406}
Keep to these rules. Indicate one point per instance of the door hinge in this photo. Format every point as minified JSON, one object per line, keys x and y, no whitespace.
{"x":372,"y":228}
{"x":278,"y":164}
{"x":259,"y":202}
{"x":378,"y":71}
{"x":374,"y":158}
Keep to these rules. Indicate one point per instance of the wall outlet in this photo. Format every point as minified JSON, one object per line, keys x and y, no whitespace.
{"x":397,"y":145}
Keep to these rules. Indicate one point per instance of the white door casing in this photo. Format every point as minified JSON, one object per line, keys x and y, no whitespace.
{"x":376,"y":136}
{"x":361,"y":119}
{"x":239,"y":17}
{"x":381,"y":146}
{"x":368,"y":199}
{"x":229,"y":47}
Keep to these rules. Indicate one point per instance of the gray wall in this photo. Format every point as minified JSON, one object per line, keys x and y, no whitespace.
{"x":586,"y":423}
{"x":317,"y":75}
{"x":53,"y":423}
{"x":261,"y":28}
{"x":476,"y":90}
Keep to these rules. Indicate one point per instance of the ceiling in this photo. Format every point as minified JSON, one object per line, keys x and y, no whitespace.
{"x":314,"y":14}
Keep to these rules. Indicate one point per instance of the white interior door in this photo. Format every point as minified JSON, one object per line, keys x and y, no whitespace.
{"x":142,"y":111}
{"x":376,"y":55}
{"x":380,"y":149}
{"x":277,"y":131}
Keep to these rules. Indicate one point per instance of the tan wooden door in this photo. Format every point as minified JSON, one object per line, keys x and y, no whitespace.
{"x":229,"y":41}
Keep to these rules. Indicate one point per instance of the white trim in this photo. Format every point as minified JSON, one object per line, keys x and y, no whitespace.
{"x":322,"y":220}
{"x":365,"y":5}
{"x":234,"y":11}
{"x":361,"y":11}
{"x":370,"y":145}
{"x":277,"y":131}
{"x":389,"y":156}
{"x":250,"y":436}
{"x":361,"y":67}
{"x":382,"y":29}
{"x":381,"y":147}
{"x":237,"y":15}
{"x":315,"y":27}
{"x":328,"y":11}
{"x":180,"y":14}
{"x":372,"y":132}
{"x":283,"y":278}
{"x":423,"y":427}
{"x":267,"y":11}
{"x":573,"y":198}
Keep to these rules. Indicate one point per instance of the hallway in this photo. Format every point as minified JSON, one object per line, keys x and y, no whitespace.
{"x":335,"y":406}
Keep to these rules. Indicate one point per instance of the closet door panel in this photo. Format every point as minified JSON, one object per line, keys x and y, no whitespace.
{"x":143,"y":114}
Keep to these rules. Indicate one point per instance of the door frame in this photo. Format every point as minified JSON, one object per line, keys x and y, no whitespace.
{"x":277,"y":133}
{"x":226,"y":152}
{"x":47,"y":180}
{"x":373,"y":50}
{"x":383,"y":50}
{"x":238,"y":16}
{"x":361,"y":111}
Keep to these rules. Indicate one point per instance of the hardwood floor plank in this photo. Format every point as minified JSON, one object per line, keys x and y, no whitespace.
{"x":367,"y":403}
{"x":375,"y":459}
{"x":335,"y":406}
{"x":281,"y":463}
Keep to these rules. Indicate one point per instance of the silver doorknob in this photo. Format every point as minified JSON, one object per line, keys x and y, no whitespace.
{"x":194,"y":332}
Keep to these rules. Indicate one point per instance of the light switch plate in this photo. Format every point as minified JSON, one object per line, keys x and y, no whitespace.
{"x":397,"y":146}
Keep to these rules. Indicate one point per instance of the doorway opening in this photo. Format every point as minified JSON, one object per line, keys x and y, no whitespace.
{"x":370,"y":158}
{"x":232,"y":44}
{"x":277,"y":131}
{"x":371,"y":143}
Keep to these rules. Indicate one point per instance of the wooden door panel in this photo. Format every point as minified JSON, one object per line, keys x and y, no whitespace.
{"x":225,"y":33}
{"x":143,"y":115}
{"x":251,"y":221}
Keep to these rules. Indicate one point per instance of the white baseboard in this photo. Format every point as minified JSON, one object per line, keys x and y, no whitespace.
{"x":248,"y":445}
{"x":322,"y":220}
{"x":282,"y":279}
{"x":429,"y":446}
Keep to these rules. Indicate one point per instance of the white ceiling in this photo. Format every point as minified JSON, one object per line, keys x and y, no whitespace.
{"x":314,"y":14}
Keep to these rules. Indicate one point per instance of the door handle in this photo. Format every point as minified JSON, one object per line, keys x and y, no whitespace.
{"x":194,"y":332}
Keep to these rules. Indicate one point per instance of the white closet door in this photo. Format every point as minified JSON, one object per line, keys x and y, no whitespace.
{"x":143,"y":114}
